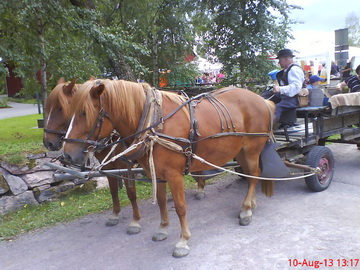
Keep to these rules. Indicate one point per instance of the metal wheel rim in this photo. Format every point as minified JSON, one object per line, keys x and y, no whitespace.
{"x":325,"y":168}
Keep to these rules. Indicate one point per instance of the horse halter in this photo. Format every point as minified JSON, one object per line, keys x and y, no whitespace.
{"x":96,"y":144}
{"x":54,"y":131}
{"x":61,"y":132}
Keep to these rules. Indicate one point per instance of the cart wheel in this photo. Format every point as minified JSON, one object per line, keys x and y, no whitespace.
{"x":320,"y":157}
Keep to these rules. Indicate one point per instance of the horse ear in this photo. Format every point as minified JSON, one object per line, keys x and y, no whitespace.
{"x":92,"y":78}
{"x":96,"y":92}
{"x":61,"y":80}
{"x":69,"y":89}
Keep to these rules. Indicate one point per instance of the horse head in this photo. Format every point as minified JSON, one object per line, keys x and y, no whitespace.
{"x":57,"y":111}
{"x":90,"y":122}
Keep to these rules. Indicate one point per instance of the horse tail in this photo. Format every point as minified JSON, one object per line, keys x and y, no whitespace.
{"x":267,"y":186}
{"x":271,"y":106}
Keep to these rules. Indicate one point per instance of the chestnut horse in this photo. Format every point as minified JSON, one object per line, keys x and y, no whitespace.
{"x":57,"y":110}
{"x":227,"y":123}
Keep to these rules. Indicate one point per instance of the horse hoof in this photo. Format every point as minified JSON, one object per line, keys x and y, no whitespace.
{"x":180,"y":252}
{"x":112,"y":221}
{"x":245,"y":220}
{"x":199,"y":195}
{"x":131,"y":230}
{"x":160,"y":236}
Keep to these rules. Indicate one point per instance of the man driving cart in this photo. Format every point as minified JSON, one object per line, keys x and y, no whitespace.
{"x":291,"y":80}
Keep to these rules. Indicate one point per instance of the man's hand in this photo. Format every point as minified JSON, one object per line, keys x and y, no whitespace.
{"x":276,"y":89}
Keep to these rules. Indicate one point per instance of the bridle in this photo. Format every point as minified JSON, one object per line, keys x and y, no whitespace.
{"x":60,"y":132}
{"x":98,"y":143}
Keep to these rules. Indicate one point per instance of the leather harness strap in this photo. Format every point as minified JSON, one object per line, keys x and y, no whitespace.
{"x":151,"y":124}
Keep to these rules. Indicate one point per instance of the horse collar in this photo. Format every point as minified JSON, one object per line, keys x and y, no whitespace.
{"x":152,"y":114}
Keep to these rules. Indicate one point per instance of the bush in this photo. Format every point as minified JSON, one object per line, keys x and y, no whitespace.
{"x":4,"y":102}
{"x":31,"y":87}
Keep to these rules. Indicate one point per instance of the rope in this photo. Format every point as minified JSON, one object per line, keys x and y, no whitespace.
{"x":108,"y":155}
{"x":152,"y":171}
{"x":246,"y":175}
{"x":129,"y":149}
{"x":177,"y":148}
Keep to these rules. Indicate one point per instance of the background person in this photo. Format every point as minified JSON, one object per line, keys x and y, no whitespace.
{"x":352,"y":82}
{"x":316,"y":95}
{"x":291,"y":80}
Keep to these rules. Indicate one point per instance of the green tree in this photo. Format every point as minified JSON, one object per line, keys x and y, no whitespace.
{"x":242,"y":34}
{"x":67,"y":38}
{"x":37,"y":37}
{"x":164,"y":27}
{"x":352,"y":22}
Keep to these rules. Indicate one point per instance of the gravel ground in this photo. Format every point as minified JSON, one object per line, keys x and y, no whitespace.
{"x":294,"y":229}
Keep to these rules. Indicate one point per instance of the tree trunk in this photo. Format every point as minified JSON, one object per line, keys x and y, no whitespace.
{"x":155,"y":81}
{"x":121,"y":68}
{"x":43,"y":79}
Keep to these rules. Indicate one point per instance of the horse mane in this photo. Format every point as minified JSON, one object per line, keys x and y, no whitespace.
{"x":124,"y":98}
{"x":58,"y":97}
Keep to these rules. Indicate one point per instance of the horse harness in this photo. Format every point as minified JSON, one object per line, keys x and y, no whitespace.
{"x":151,"y":125}
{"x":61,"y":132}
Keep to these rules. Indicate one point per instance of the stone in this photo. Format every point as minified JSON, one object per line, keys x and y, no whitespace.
{"x":36,"y":156}
{"x":64,"y":186}
{"x":38,"y":178}
{"x":42,"y":195}
{"x":79,"y":181}
{"x":4,"y":187}
{"x":12,"y":203}
{"x":32,"y":165}
{"x":53,"y":154}
{"x":39,"y":165}
{"x":102,"y":182}
{"x":14,"y":169}
{"x":47,"y":192}
{"x":16,"y":184}
{"x":38,"y":191}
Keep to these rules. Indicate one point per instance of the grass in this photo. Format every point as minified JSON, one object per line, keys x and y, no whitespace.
{"x":20,"y":136}
{"x":69,"y":208}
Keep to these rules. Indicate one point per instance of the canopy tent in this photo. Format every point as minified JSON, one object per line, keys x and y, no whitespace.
{"x":317,"y":59}
{"x":208,"y":67}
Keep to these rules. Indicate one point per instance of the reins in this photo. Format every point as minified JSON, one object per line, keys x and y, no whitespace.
{"x":54,"y":131}
{"x":149,"y":139}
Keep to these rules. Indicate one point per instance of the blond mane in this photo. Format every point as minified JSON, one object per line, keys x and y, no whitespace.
{"x":57,"y":97}
{"x":123,"y":99}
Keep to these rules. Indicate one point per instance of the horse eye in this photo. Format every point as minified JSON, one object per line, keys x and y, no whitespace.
{"x":60,"y":109}
{"x":83,"y":113}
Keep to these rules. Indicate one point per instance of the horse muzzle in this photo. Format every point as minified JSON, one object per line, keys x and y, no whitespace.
{"x":78,"y":157}
{"x":52,"y":144}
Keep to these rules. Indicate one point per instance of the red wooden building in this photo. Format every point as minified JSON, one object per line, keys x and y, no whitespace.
{"x":13,"y":83}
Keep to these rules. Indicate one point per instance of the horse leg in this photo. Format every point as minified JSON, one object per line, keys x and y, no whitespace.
{"x":177,"y":190}
{"x":200,"y":193}
{"x":161,"y":233}
{"x":114,"y":218}
{"x":250,"y":165}
{"x":134,"y":226}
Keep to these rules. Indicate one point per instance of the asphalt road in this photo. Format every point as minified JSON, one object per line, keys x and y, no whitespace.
{"x":294,"y":229}
{"x":18,"y":109}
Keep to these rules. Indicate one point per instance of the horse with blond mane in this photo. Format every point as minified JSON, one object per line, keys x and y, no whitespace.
{"x":57,"y":111}
{"x":170,"y":136}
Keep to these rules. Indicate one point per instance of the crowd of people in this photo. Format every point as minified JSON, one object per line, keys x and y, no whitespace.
{"x":292,"y":79}
{"x":208,"y":78}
